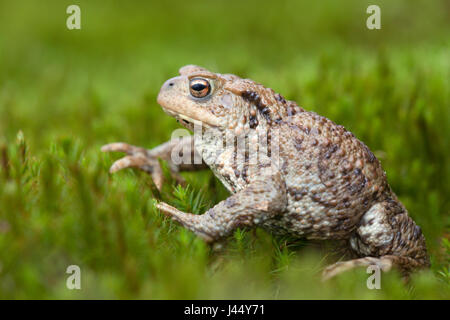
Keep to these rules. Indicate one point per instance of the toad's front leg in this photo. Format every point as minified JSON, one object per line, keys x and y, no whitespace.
{"x":260,"y":200}
{"x":147,"y":160}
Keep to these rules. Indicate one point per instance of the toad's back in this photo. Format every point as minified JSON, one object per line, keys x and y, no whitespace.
{"x":332,"y":178}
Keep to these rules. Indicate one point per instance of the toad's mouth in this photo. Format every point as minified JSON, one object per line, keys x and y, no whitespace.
{"x":187,"y":121}
{"x":187,"y":124}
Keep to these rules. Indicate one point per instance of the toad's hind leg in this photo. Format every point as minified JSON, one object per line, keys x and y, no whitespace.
{"x":386,"y":237}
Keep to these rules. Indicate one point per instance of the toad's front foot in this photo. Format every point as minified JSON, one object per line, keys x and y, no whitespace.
{"x":148,"y":160}
{"x":143,"y":159}
{"x":136,"y":158}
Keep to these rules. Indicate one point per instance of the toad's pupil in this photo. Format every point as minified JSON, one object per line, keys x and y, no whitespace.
{"x":198,"y":86}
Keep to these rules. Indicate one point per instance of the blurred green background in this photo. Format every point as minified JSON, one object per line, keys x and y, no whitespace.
{"x":64,"y":93}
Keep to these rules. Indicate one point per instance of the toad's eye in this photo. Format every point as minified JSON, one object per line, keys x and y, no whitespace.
{"x":199,"y":88}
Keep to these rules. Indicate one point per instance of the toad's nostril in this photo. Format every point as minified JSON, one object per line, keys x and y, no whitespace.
{"x":169,"y":84}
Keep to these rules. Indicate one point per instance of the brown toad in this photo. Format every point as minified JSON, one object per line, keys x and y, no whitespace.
{"x":289,"y":171}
